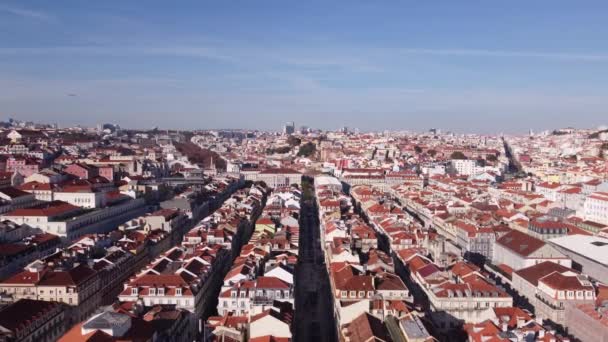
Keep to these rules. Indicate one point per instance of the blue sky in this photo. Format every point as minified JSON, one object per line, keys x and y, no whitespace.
{"x":476,"y":66}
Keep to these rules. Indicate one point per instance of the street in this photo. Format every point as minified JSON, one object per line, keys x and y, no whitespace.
{"x":314,"y":320}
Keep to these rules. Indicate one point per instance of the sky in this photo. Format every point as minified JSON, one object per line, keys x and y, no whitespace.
{"x":466,"y":66}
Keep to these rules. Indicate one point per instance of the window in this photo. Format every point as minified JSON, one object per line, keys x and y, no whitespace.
{"x":152,"y":291}
{"x":161,"y":291}
{"x":178,"y":291}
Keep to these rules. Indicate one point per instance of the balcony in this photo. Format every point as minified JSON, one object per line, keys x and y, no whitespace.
{"x":264,"y":300}
{"x":548,"y":303}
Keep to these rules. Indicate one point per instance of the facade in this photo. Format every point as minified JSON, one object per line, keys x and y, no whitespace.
{"x":276,"y":178}
{"x":253,"y":297}
{"x":587,"y":323}
{"x":466,"y":167}
{"x":30,"y":320}
{"x":518,"y":250}
{"x":82,"y":171}
{"x":596,"y":207}
{"x":78,"y":288}
{"x":69,"y":221}
{"x":588,"y":252}
{"x":551,"y":288}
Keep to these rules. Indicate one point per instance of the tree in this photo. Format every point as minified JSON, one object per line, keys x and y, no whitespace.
{"x":280,"y":150}
{"x":491,"y":157}
{"x":432,"y":153}
{"x":307,"y":150}
{"x":458,"y":155}
{"x":294,"y":141}
{"x":417,"y":149}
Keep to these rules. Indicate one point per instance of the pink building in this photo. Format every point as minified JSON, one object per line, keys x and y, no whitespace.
{"x":25,"y":166}
{"x":82,"y":171}
{"x":106,"y":172}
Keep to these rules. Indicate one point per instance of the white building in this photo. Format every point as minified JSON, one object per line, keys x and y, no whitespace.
{"x":519,"y":250}
{"x":464,"y":166}
{"x":276,"y":178}
{"x":596,"y":207}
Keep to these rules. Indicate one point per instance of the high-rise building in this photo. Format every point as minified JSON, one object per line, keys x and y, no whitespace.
{"x":289,"y":128}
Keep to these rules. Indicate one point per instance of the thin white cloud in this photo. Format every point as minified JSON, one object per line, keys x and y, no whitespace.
{"x":194,"y":51}
{"x":26,"y":13}
{"x":507,"y":54}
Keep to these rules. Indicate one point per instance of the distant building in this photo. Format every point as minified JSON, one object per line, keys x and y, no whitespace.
{"x":289,"y":128}
{"x":276,"y":177}
{"x":466,"y":167}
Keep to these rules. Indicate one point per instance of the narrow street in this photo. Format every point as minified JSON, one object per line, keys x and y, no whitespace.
{"x":314,"y":320}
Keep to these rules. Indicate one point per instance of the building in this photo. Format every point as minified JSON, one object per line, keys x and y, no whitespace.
{"x":30,"y":320}
{"x":466,"y":167}
{"x":589,"y":254}
{"x":289,"y":128}
{"x":588,"y":323}
{"x":70,"y":222}
{"x":596,"y":207}
{"x":545,"y":228}
{"x":550,"y":288}
{"x":519,"y":250}
{"x":127,"y":327}
{"x":278,"y":177}
{"x":476,"y":241}
{"x":82,"y":171}
{"x":252,"y":297}
{"x":78,"y":288}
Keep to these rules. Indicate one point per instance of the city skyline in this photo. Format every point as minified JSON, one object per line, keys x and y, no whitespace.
{"x":463,"y":67}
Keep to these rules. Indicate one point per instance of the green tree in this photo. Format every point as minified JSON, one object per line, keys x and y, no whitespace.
{"x":457,"y":155}
{"x":294,"y":141}
{"x":307,"y":149}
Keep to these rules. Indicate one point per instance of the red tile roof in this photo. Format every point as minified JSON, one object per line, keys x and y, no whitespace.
{"x":520,"y":243}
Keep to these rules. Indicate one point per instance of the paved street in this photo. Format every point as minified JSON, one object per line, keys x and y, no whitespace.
{"x":314,"y":319}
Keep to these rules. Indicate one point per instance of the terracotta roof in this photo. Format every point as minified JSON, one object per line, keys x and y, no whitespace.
{"x":48,"y":209}
{"x":24,"y":312}
{"x":520,"y":243}
{"x":366,"y":328}
{"x":533,"y":273}
{"x":279,"y":171}
{"x":13,"y":192}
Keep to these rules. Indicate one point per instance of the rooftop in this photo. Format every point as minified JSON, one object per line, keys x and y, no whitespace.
{"x":591,"y":247}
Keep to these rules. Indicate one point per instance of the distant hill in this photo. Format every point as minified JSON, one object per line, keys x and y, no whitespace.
{"x":597,"y":134}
